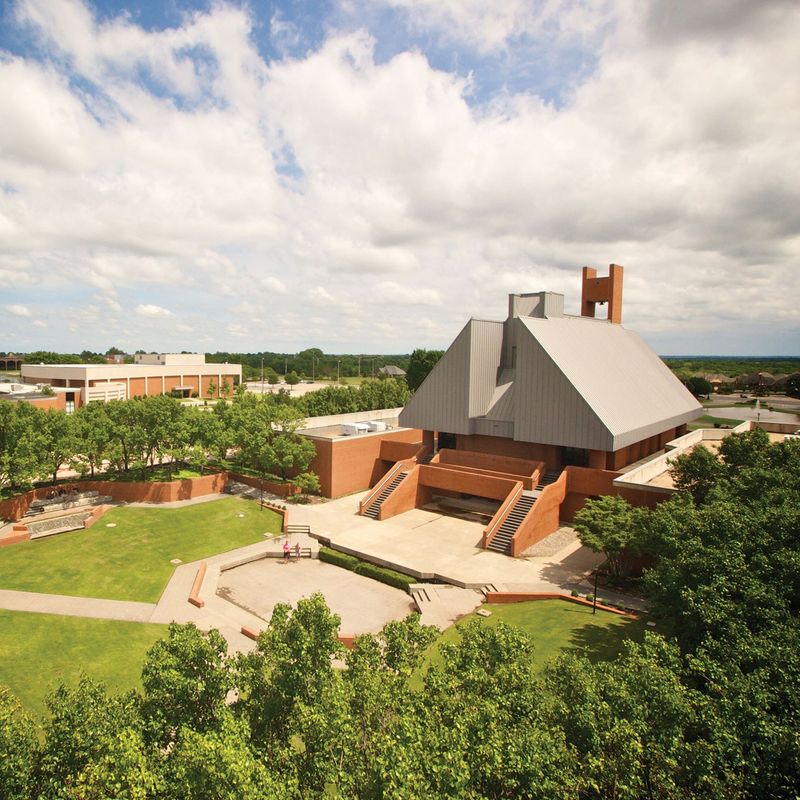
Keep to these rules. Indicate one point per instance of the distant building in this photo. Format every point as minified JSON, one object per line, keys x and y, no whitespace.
{"x":183,"y":374}
{"x":10,"y":361}
{"x":392,"y":371}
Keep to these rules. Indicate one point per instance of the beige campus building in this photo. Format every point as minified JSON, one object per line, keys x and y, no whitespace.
{"x":185,"y":374}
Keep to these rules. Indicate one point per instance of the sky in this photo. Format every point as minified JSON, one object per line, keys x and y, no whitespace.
{"x":364,"y":176}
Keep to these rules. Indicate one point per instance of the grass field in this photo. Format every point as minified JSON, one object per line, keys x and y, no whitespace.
{"x":556,"y":626}
{"x":132,"y":560}
{"x":41,"y":651}
{"x":708,"y":421}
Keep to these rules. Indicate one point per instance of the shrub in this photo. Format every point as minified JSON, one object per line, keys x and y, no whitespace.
{"x":575,"y":593}
{"x":388,"y":576}
{"x":590,"y":598}
{"x":337,"y":558}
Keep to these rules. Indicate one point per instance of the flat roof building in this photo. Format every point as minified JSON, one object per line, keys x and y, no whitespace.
{"x":186,"y":374}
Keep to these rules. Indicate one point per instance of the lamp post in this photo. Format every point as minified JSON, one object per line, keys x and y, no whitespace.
{"x":338,"y":365}
{"x":594,"y":603}
{"x":359,"y":366}
{"x":262,"y":376}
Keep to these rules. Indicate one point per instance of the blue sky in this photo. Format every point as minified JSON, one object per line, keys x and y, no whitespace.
{"x":364,"y":175}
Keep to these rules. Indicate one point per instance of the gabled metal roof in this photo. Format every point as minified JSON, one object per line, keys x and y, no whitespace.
{"x":593,"y":384}
{"x":577,"y":382}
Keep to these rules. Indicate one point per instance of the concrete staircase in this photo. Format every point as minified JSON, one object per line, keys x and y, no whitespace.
{"x":547,"y":479}
{"x":65,"y":503}
{"x":501,"y":541}
{"x":376,"y":504}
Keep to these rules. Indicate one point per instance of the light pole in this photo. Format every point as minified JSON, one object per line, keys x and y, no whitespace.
{"x":594,"y":603}
{"x":359,"y":366}
{"x":373,"y":367}
{"x":262,"y":376}
{"x":338,"y":364}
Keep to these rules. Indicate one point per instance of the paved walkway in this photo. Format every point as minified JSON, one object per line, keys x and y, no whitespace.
{"x":76,"y":606}
{"x":430,"y":544}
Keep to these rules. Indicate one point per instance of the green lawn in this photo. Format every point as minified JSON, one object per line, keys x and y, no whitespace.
{"x":41,"y":651}
{"x":555,"y":625}
{"x":708,"y":421}
{"x":159,"y":473}
{"x":132,"y":560}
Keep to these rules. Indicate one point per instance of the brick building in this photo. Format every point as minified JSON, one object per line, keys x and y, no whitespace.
{"x":537,"y":412}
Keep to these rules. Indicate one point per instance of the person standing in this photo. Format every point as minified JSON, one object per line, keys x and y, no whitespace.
{"x":286,"y":550}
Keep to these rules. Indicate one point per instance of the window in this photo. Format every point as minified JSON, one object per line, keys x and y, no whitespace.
{"x":575,"y":457}
{"x":69,"y":405}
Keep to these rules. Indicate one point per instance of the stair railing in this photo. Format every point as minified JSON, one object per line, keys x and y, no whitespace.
{"x":501,"y":514}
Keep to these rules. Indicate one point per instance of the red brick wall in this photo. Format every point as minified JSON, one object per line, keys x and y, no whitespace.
{"x":454,"y":480}
{"x":137,"y":388}
{"x":488,"y":461}
{"x":151,"y":492}
{"x":498,"y":445}
{"x":354,"y":464}
{"x":583,"y":484}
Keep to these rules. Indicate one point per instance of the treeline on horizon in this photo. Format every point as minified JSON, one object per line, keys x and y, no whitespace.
{"x":314,"y":362}
{"x":732,"y":366}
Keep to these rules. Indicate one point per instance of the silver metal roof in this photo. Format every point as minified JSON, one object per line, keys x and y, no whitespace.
{"x":576,"y":382}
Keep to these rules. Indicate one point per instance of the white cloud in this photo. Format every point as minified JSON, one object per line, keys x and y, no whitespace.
{"x":18,"y":310}
{"x":369,"y":186}
{"x":274,"y":285}
{"x":149,"y":310}
{"x":37,"y":323}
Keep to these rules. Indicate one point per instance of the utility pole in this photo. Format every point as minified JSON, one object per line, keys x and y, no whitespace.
{"x":285,"y":365}
{"x":359,"y":366}
{"x":338,"y":364}
{"x":262,"y":376}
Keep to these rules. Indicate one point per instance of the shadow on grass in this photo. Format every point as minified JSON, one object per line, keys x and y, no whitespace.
{"x":604,"y":642}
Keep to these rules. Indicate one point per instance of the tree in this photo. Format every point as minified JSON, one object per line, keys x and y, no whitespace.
{"x":21,"y":444}
{"x":19,"y":746}
{"x":225,"y":388}
{"x":699,"y":386}
{"x":793,"y":385}
{"x":186,"y":679}
{"x":93,"y":433}
{"x":696,"y":472}
{"x":212,"y":389}
{"x":610,"y":525}
{"x":307,"y":482}
{"x":93,"y":746}
{"x":58,"y":439}
{"x":292,"y":379}
{"x":420,"y":364}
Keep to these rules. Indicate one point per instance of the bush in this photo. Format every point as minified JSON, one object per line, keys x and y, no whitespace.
{"x":575,"y":593}
{"x":384,"y":575}
{"x":590,"y":598}
{"x":388,"y":576}
{"x":339,"y":559}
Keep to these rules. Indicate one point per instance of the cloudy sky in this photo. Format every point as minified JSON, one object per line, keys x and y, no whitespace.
{"x":364,"y":175}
